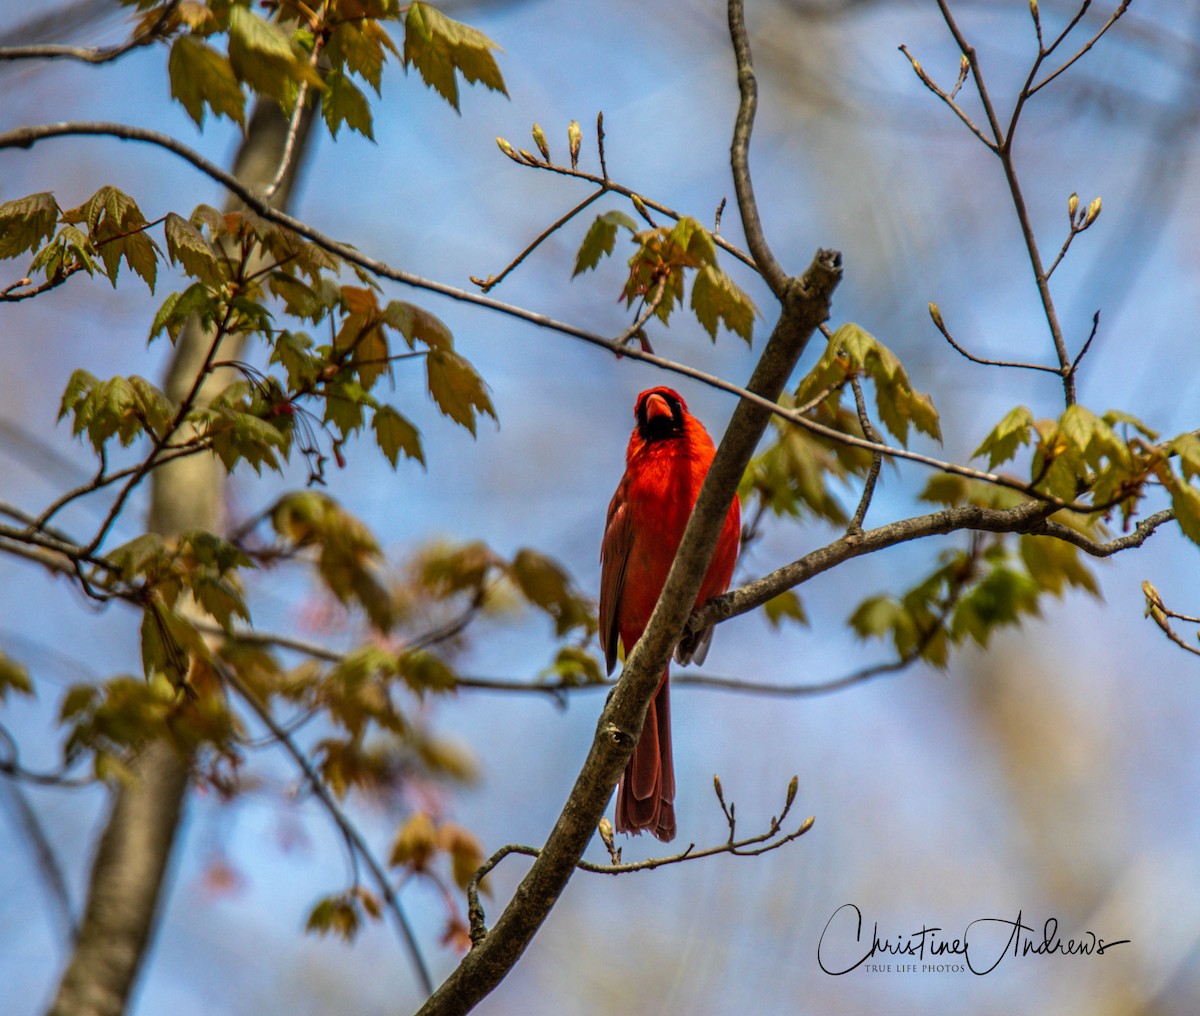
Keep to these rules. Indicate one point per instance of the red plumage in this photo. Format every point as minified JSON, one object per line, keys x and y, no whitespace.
{"x":666,"y":462}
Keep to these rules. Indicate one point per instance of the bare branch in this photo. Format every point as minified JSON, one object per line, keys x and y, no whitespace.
{"x":1030,"y":517}
{"x":1003,"y":149}
{"x":153,"y":33}
{"x":940,"y":324}
{"x":486,"y":285}
{"x":947,"y":98}
{"x":871,"y":434}
{"x":1087,"y":46}
{"x":752,"y":846}
{"x":771,"y":270}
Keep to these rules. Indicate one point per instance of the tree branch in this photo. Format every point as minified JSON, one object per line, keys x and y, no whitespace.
{"x":347,"y":828}
{"x":1029,"y":518}
{"x":771,"y":270}
{"x":751,"y":846}
{"x":93,"y":55}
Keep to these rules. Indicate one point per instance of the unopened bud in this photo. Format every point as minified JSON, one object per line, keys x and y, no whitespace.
{"x":936,"y":314}
{"x":792,"y":788}
{"x":717,"y":788}
{"x":528,"y":157}
{"x":1033,"y":10}
{"x":508,"y":149}
{"x":1093,"y":210}
{"x":640,"y":205}
{"x":574,"y":140}
{"x":1072,"y":207}
{"x":539,"y":139}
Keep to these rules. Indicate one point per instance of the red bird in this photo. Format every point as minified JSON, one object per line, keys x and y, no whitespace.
{"x":667,"y":460}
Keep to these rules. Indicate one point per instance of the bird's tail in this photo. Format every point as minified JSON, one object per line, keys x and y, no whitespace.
{"x":646,"y":793}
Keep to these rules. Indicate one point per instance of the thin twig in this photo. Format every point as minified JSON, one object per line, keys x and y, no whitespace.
{"x":297,"y":118}
{"x":486,"y":285}
{"x":1087,"y":46}
{"x":14,"y":294}
{"x":230,"y":676}
{"x":752,"y":846}
{"x":93,"y":55}
{"x":771,"y":270}
{"x":42,"y":848}
{"x":940,"y":324}
{"x":1087,"y":345}
{"x":864,"y":421}
{"x":1003,"y":148}
{"x":947,"y":98}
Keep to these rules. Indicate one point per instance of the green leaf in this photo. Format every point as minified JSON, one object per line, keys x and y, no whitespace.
{"x":423,"y":671}
{"x":877,"y":616}
{"x":416,"y":324}
{"x":545,"y":584}
{"x":395,"y":434}
{"x":573,"y":665}
{"x":999,"y":599}
{"x":786,"y":605}
{"x":201,"y":76}
{"x":359,"y":46}
{"x":14,"y":677}
{"x":293,"y":350}
{"x":1114,"y":417}
{"x":69,"y":249}
{"x":1055,"y":564}
{"x":342,"y":102}
{"x":264,"y":56}
{"x":178,"y":308}
{"x":456,"y":389}
{"x":336,"y":915}
{"x":1187,"y":447}
{"x":600,"y":239}
{"x":716,"y":298}
{"x":1185,"y":501}
{"x":344,"y":405}
{"x":116,"y":230}
{"x":186,"y":245}
{"x":438,"y":46}
{"x":26,"y":222}
{"x":161,"y":654}
{"x":1006,"y":437}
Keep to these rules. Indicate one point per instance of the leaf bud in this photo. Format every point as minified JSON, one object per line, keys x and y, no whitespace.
{"x":936,"y":314}
{"x":791,"y":791}
{"x":575,"y":140}
{"x":539,"y":139}
{"x":1033,"y":10}
{"x":508,"y":149}
{"x":1073,"y":207}
{"x":1093,"y":210}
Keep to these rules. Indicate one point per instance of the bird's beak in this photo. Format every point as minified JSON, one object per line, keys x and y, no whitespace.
{"x":657,"y":406}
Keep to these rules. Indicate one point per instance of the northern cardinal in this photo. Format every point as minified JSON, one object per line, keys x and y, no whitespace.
{"x":667,"y":460}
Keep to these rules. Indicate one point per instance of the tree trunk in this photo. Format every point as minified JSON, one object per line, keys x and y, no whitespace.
{"x":135,"y":848}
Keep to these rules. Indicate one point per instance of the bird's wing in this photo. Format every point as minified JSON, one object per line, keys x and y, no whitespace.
{"x":614,"y":557}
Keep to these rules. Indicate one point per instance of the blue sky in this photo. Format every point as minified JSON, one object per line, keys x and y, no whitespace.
{"x":1052,"y":775}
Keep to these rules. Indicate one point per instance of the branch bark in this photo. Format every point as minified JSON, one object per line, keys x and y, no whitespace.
{"x":805,"y":305}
